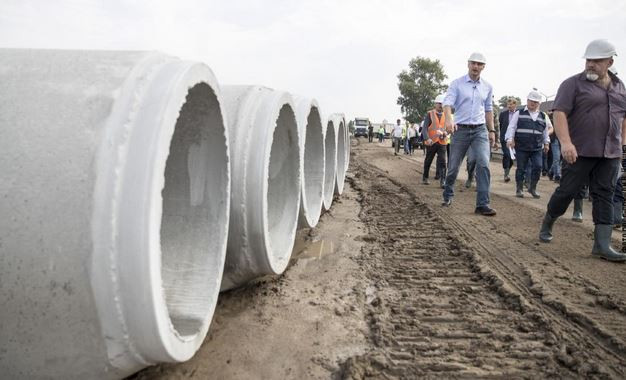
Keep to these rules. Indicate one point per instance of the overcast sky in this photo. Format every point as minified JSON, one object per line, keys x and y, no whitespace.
{"x":345,"y":53}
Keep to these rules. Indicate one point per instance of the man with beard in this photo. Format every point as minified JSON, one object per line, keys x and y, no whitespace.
{"x":589,"y":117}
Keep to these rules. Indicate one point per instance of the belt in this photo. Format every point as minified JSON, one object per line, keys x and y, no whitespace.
{"x":469,"y":125}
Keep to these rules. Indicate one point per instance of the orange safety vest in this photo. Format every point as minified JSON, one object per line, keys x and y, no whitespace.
{"x":436,"y":128}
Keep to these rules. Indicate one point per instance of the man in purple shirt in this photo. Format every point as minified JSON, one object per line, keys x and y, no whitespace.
{"x":590,"y":122}
{"x":471,"y":97}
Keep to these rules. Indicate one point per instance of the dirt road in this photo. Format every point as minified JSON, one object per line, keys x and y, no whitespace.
{"x":391,"y":285}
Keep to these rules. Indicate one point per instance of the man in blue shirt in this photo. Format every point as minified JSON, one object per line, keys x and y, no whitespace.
{"x":470,"y":96}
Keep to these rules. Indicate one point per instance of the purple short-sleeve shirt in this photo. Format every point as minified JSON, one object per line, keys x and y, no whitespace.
{"x":594,"y":115}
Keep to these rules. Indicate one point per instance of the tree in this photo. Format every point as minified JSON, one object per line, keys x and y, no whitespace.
{"x":419,"y":86}
{"x":503,"y":100}
{"x":351,"y":126}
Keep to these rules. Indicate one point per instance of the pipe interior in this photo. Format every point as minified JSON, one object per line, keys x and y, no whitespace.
{"x":331,"y":159}
{"x":283,"y":184}
{"x":194,"y":211}
{"x":341,"y":152}
{"x":313,"y":160}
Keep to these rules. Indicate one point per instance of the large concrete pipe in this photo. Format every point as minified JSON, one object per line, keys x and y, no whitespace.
{"x":330,"y":165}
{"x":311,"y":161}
{"x":265,"y":195}
{"x":342,"y":143}
{"x":114,"y":198}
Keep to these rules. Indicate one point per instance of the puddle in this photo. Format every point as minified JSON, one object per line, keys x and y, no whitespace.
{"x":307,"y":249}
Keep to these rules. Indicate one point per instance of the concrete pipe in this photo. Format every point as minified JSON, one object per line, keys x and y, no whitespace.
{"x":312,"y":161}
{"x":265,"y":195}
{"x":330,"y":164}
{"x":115,"y":205}
{"x":342,"y":143}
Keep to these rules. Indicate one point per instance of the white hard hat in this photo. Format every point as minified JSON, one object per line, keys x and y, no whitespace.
{"x":598,"y":49}
{"x":613,"y":70}
{"x":477,"y":57}
{"x":439,"y":99}
{"x":534,"y":96}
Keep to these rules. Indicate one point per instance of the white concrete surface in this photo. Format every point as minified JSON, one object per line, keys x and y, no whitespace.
{"x":265,"y":194}
{"x":330,"y":171}
{"x":312,"y":161}
{"x":342,"y":155}
{"x":115,"y":211}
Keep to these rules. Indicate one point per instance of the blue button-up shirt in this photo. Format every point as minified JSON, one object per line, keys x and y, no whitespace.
{"x":470,"y":99}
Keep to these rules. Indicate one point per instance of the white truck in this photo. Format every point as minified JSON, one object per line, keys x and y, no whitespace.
{"x":360,"y":126}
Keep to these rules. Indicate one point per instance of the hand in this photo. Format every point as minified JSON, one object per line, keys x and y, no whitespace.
{"x":492,"y":139}
{"x":450,"y":126}
{"x":429,"y":142}
{"x":510,"y":144}
{"x":568,"y":151}
{"x":546,"y":148}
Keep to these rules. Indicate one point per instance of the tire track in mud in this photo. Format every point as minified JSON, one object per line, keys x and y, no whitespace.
{"x":435,"y":310}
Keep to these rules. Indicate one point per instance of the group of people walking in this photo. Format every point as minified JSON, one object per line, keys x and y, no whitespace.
{"x":589,"y":132}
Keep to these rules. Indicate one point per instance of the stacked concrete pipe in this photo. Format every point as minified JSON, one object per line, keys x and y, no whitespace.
{"x":312,"y":161}
{"x":342,"y":146}
{"x":115,"y":211}
{"x":265,"y":194}
{"x":330,"y":165}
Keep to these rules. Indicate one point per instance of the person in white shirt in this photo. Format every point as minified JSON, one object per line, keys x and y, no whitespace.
{"x":396,"y":135}
{"x":529,"y":134}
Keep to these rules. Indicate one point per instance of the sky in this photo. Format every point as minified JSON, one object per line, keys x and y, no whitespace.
{"x":345,"y":53}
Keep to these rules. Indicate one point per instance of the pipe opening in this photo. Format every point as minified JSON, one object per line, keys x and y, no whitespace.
{"x":313,"y":160}
{"x":283,"y":185}
{"x":194,"y":211}
{"x":331,"y":160}
{"x":341,"y":154}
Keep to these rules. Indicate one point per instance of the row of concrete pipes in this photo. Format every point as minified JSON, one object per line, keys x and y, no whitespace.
{"x":133,"y":189}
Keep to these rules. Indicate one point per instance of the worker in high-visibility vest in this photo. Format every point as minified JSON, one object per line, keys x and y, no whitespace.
{"x":436,"y":139}
{"x":381,"y":134}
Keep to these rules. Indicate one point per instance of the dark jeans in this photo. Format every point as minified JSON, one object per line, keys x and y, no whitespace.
{"x":507,"y":162}
{"x":440,"y":151}
{"x":380,"y":137}
{"x":525,"y":158}
{"x":555,"y":168}
{"x":601,"y":174}
{"x":370,"y":137}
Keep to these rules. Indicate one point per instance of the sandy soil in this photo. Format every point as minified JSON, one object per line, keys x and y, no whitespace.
{"x":391,"y":285}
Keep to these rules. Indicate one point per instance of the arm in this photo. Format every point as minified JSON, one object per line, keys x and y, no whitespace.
{"x":510,"y":131}
{"x":448,"y":102}
{"x":546,"y":134}
{"x":489,"y":117}
{"x":568,"y":150}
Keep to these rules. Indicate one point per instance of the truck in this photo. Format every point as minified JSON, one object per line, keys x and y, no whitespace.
{"x":360,"y":126}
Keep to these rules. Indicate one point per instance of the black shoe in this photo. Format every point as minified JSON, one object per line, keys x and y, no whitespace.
{"x":468,"y":183}
{"x":425,"y":181}
{"x":545,"y":234}
{"x":485,"y":211}
{"x":446,"y":202}
{"x":577,"y":216}
{"x":544,"y":173}
{"x":507,"y":178}
{"x":437,"y":176}
{"x":518,"y":190}
{"x":557,"y":179}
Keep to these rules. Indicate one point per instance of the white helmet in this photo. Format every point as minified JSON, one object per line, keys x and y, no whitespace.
{"x":598,"y":49}
{"x":534,"y":96}
{"x":439,"y":98}
{"x":613,"y":70}
{"x":477,"y":57}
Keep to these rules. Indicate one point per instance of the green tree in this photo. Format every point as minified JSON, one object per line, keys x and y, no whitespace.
{"x":504,"y":99}
{"x":419,"y":86}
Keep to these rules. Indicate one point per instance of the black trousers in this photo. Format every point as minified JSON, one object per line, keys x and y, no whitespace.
{"x":601,"y":174}
{"x":507,"y":163}
{"x":440,"y":151}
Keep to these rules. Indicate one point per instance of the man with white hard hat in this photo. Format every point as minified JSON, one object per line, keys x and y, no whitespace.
{"x":590,"y":122}
{"x":436,"y":140}
{"x":471,"y":97}
{"x":528,"y":134}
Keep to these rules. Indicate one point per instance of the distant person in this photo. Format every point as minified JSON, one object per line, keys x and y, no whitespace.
{"x":555,"y":147}
{"x":528,"y":134}
{"x":471,"y":97}
{"x":505,"y":119}
{"x":370,"y":132}
{"x":396,"y":135}
{"x":381,"y":133}
{"x":435,"y":139}
{"x":410,"y":138}
{"x":590,"y":120}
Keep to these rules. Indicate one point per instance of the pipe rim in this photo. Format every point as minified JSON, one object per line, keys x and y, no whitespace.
{"x":330,"y":141}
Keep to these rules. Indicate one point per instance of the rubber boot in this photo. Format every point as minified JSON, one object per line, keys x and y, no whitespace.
{"x":577,"y":216}
{"x":442,"y":179}
{"x":468,"y":183}
{"x":545,"y":234}
{"x":602,"y":244}
{"x":518,"y":190}
{"x":506,"y":174}
{"x":533,"y":190}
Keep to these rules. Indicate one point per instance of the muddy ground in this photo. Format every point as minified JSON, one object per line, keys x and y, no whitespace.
{"x":390,"y":285}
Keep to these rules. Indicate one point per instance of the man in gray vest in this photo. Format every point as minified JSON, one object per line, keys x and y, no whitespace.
{"x":528,"y":133}
{"x":590,"y":122}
